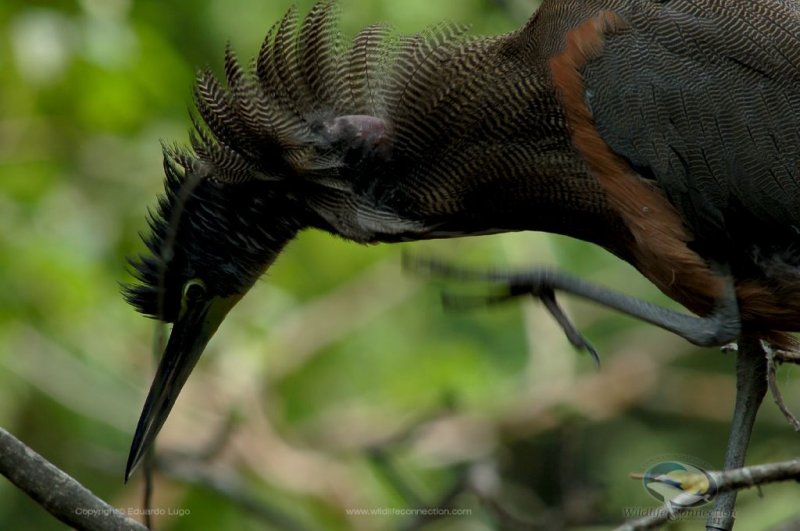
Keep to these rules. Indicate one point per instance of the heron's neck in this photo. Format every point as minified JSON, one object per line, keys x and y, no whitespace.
{"x":565,"y":200}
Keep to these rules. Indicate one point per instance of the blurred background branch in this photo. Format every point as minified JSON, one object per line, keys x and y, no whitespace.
{"x":337,"y":352}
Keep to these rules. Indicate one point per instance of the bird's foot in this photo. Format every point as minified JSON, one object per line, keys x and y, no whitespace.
{"x":534,"y":283}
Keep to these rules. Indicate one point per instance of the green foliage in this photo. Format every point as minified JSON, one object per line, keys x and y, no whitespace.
{"x":337,"y":350}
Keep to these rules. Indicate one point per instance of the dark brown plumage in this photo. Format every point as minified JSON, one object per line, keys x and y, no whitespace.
{"x":664,"y":131}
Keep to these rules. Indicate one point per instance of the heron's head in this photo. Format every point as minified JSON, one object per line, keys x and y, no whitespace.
{"x":209,"y":241}
{"x":316,"y":134}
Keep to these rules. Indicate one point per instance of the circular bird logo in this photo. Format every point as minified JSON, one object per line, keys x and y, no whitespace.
{"x":678,"y":483}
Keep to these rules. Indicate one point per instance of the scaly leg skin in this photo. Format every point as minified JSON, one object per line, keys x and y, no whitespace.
{"x":719,"y":328}
{"x":751,"y":386}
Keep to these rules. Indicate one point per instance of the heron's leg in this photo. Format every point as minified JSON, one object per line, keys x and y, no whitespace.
{"x":751,"y":386}
{"x":719,"y":328}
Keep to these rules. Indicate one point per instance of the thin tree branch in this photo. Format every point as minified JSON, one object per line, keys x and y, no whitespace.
{"x":443,"y":506}
{"x":56,"y":491}
{"x":725,"y":481}
{"x":230,"y":488}
{"x":384,"y":465}
{"x":485,"y":484}
{"x":787,"y":356}
{"x":777,"y":396}
{"x":149,"y":488}
{"x":192,"y":469}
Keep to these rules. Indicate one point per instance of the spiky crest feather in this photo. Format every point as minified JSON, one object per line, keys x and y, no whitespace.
{"x":272,"y":122}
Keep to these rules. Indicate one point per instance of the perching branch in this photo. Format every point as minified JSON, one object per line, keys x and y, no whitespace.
{"x":787,"y":356}
{"x":725,"y":481}
{"x":56,"y":491}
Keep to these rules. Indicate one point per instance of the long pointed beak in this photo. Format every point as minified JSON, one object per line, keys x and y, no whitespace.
{"x":189,"y":337}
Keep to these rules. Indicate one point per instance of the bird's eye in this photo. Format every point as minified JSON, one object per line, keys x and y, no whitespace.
{"x":194,"y":290}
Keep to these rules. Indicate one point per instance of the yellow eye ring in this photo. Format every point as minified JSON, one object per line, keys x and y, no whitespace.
{"x":194,"y":290}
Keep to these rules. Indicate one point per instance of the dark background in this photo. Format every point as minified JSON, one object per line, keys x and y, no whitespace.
{"x":338,"y":362}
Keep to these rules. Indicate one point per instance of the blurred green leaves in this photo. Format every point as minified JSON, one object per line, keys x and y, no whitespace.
{"x":336,"y":350}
